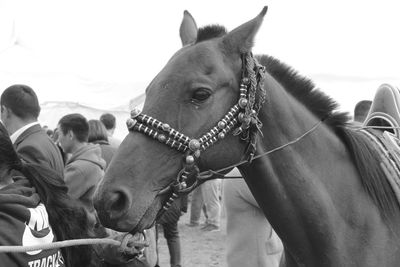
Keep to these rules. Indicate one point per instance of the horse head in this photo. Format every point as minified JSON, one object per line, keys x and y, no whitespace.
{"x":190,"y":96}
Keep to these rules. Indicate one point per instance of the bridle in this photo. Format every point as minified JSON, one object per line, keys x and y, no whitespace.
{"x":241,"y":119}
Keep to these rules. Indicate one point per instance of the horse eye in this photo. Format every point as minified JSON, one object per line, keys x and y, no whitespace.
{"x":201,"y":95}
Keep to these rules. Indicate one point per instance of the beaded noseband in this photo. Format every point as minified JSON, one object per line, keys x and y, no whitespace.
{"x":243,"y":115}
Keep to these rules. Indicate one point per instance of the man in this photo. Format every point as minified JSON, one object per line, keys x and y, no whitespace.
{"x":109,"y":122}
{"x":85,"y":167}
{"x":19,"y":112}
{"x":211,"y":192}
{"x":248,"y":232}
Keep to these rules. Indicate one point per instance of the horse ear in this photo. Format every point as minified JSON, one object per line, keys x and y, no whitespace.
{"x":188,"y":29}
{"x":240,"y":40}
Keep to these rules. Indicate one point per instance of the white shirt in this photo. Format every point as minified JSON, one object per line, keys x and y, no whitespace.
{"x":18,"y":132}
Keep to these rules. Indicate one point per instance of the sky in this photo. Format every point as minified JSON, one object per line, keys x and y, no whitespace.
{"x":103,"y":53}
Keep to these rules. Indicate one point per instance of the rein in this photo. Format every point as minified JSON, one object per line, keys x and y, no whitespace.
{"x":211,"y":174}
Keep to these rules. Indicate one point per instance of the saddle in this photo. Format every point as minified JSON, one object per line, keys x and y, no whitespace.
{"x":385,"y":110}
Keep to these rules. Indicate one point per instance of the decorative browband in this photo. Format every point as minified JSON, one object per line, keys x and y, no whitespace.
{"x":167,"y":135}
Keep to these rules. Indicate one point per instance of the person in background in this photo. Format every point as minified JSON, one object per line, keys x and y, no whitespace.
{"x":19,"y":112}
{"x":169,"y":222}
{"x":98,"y":135}
{"x":50,"y":133}
{"x":361,"y":110}
{"x":248,"y":232}
{"x":211,"y":193}
{"x":85,"y":167}
{"x":196,"y":206}
{"x":109,"y":122}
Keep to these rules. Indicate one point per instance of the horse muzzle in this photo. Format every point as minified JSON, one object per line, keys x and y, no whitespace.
{"x":113,"y":206}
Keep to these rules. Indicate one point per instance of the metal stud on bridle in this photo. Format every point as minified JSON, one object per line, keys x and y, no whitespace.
{"x":243,"y":116}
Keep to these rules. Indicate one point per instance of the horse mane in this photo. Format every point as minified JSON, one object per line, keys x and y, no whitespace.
{"x":362,"y":151}
{"x":365,"y":156}
{"x":209,"y":32}
{"x":304,"y":90}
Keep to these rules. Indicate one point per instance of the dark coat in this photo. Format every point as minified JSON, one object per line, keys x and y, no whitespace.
{"x":35,"y":146}
{"x":174,"y":212}
{"x":83,"y":171}
{"x":23,"y":222}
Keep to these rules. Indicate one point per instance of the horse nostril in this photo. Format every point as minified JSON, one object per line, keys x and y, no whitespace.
{"x":118,"y":203}
{"x":118,"y":200}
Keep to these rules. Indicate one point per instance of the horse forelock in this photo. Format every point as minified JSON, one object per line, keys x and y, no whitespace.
{"x":209,"y":32}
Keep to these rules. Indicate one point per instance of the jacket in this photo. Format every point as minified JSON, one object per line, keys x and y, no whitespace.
{"x":107,"y":151}
{"x":83,"y":171}
{"x":35,"y":146}
{"x":24,"y":221}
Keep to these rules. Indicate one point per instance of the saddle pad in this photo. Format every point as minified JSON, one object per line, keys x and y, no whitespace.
{"x":389,"y":149}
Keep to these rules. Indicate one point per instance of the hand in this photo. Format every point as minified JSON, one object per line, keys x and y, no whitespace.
{"x":132,"y":247}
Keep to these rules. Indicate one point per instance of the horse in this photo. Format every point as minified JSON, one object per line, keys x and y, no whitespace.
{"x":316,"y":177}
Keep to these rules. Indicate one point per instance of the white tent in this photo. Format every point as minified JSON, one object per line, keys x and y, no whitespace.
{"x":40,"y":51}
{"x":64,"y":57}
{"x":51,"y":113}
{"x":102,"y":53}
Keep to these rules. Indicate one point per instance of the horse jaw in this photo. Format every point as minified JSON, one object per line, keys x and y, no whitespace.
{"x":149,"y":217}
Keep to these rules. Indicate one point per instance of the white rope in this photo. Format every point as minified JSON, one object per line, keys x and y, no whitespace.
{"x":69,"y":243}
{"x":60,"y":244}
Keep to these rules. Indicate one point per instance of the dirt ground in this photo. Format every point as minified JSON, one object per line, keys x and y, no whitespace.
{"x":199,"y":248}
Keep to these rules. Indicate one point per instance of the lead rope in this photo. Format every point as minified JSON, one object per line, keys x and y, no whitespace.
{"x":70,"y":243}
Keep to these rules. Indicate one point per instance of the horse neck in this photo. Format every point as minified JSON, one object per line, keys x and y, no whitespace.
{"x":295,"y":185}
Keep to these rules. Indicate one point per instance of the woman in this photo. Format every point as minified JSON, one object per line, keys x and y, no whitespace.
{"x":98,"y":135}
{"x":35,"y":209}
